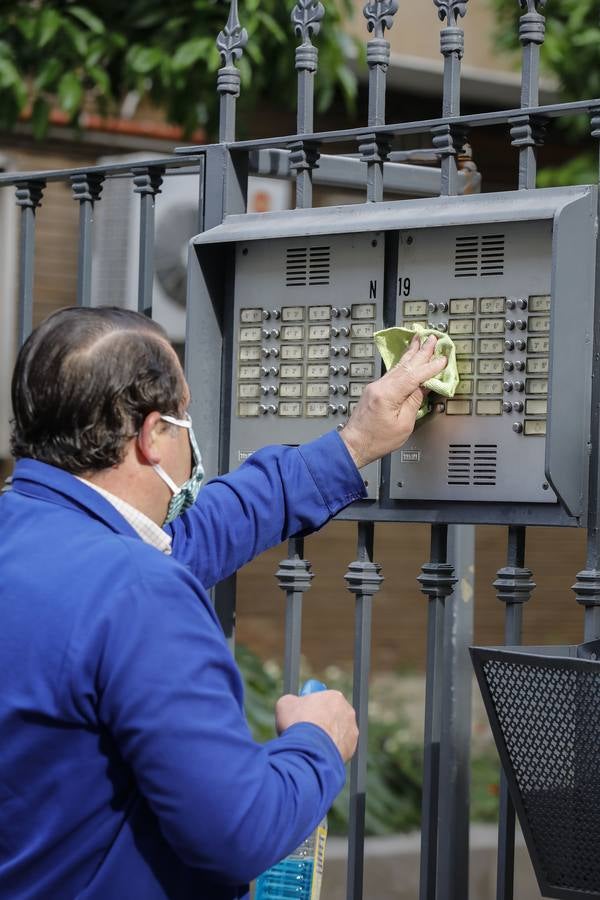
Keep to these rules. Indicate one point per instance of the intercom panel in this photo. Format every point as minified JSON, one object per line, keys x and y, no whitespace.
{"x":304,"y":314}
{"x":500,"y":291}
{"x":284,"y":306}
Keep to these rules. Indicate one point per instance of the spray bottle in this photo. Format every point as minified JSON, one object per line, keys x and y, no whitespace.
{"x":299,"y":875}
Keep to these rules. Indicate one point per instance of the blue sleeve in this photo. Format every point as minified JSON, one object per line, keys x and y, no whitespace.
{"x":169,"y":693}
{"x":278,"y":492}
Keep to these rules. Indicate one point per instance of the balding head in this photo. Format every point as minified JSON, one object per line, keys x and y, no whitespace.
{"x":84,"y":382}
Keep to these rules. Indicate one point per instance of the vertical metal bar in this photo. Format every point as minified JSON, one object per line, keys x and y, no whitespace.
{"x":201,"y":192}
{"x":587,"y":585}
{"x":294,"y":574}
{"x":364,"y":580}
{"x":455,"y":743}
{"x":294,"y":577}
{"x":527,"y":131}
{"x":230,"y":44}
{"x":448,"y":831}
{"x":437,"y":582}
{"x":208,"y":330}
{"x":446,"y":138}
{"x":306,"y":18}
{"x":375,"y":149}
{"x":147,"y":183}
{"x":86,"y":189}
{"x":513,"y":586}
{"x":28,"y":197}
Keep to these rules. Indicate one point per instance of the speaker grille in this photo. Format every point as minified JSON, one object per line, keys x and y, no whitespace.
{"x":307,"y":266}
{"x":472,"y":464}
{"x":476,"y":255}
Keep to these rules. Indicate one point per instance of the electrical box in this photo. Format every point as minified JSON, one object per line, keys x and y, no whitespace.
{"x":510,"y":277}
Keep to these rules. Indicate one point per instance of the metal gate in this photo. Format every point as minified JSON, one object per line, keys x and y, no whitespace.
{"x":565,"y":224}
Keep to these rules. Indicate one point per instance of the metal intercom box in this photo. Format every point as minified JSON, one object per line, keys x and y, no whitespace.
{"x":510,"y":277}
{"x":304,"y":314}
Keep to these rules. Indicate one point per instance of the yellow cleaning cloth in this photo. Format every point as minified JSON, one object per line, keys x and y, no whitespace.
{"x":393,"y":343}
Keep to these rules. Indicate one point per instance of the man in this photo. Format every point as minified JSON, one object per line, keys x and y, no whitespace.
{"x":127,"y":767}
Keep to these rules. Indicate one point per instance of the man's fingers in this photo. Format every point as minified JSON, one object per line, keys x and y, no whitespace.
{"x":418,"y":364}
{"x":415,"y":349}
{"x":425,"y":351}
{"x":432,"y":368}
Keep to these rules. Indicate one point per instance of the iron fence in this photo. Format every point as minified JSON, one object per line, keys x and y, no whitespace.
{"x":223,"y":169}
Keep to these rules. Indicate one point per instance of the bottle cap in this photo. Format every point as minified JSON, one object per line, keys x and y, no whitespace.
{"x":312,"y":686}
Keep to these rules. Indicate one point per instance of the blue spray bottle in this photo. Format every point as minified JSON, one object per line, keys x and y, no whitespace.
{"x":299,"y":875}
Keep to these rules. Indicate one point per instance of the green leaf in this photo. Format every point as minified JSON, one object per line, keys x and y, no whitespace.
{"x":100,"y":79}
{"x":271,"y":25}
{"x":92,"y":22}
{"x":48,"y":74}
{"x":9,"y":74}
{"x":49,"y":23}
{"x":589,"y":38}
{"x":188,"y":53}
{"x":78,"y":38}
{"x":144,"y":59}
{"x":582,"y":169}
{"x":70,"y":93}
{"x":27,"y":26}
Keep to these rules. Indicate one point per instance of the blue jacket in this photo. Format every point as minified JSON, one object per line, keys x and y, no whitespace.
{"x":127,"y":770}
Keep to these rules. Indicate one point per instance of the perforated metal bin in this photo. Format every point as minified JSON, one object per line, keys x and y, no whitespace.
{"x":543,"y":705}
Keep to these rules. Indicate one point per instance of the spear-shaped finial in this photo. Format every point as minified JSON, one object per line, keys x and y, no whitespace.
{"x":306,"y":17}
{"x":230,"y":44}
{"x":450,"y":10}
{"x":232,"y":40}
{"x":533,"y":6}
{"x":380,"y":15}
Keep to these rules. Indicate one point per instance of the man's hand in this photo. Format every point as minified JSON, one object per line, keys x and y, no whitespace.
{"x":385,"y":416}
{"x":328,"y":709}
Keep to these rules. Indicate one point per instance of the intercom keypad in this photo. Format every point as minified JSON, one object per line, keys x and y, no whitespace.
{"x":510,"y":342}
{"x":305,"y":363}
{"x":305,"y":315}
{"x":489,"y":289}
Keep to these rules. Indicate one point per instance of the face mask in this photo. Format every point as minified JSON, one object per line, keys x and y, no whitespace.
{"x":185,"y":495}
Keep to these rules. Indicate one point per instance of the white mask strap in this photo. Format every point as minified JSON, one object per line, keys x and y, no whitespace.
{"x":167,"y":479}
{"x":181,"y":423}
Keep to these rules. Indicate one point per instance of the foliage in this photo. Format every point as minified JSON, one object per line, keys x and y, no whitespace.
{"x":394,"y":761}
{"x":582,"y":169}
{"x":571,"y":52}
{"x":100,"y":51}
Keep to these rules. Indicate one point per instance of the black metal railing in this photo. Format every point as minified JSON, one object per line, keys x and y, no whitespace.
{"x":223,"y":168}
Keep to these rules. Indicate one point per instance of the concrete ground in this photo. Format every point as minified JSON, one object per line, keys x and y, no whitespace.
{"x":392,"y":868}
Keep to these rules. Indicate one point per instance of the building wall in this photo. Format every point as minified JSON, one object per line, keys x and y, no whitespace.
{"x":415,"y":33}
{"x":399,"y":609}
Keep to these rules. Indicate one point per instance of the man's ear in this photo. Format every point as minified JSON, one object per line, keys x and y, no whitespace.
{"x":148,"y":444}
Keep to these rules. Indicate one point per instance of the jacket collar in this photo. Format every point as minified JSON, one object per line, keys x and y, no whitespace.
{"x":32,"y":478}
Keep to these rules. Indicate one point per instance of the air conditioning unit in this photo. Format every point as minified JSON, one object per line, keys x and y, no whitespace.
{"x":116,"y":239}
{"x":8,"y":308}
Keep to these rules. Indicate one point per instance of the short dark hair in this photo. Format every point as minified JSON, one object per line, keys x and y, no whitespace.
{"x":84,"y":382}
